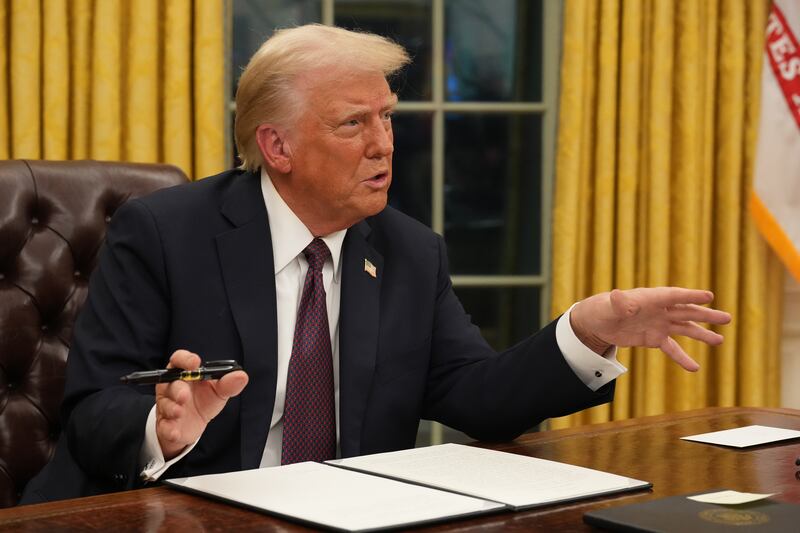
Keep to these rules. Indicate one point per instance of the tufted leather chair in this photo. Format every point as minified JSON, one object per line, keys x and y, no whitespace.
{"x":53,"y":218}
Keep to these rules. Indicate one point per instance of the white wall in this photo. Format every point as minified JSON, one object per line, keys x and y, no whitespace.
{"x":790,"y":369}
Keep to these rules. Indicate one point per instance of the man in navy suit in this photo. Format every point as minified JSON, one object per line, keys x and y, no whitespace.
{"x":219,"y":269}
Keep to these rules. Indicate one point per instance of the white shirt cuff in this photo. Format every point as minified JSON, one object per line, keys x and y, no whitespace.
{"x":593,"y":369}
{"x":151,"y":455}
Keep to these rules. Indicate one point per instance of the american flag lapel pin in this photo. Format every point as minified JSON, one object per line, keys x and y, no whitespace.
{"x":370,"y":269}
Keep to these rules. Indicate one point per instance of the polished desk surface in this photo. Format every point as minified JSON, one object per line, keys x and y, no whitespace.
{"x":647,"y":448}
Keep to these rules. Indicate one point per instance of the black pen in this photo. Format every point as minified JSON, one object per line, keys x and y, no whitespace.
{"x":210,"y":370}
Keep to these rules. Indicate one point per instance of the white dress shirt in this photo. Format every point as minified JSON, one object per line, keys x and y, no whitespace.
{"x":289,"y":237}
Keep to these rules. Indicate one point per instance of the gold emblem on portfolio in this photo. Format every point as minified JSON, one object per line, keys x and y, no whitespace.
{"x":734,"y":517}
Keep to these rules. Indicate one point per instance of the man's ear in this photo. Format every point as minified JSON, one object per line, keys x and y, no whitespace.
{"x":274,"y":148}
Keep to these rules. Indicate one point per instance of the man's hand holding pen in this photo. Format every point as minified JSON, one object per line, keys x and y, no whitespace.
{"x":184,"y":409}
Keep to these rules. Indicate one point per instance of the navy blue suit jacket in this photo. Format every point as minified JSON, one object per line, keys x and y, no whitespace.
{"x":191,"y":267}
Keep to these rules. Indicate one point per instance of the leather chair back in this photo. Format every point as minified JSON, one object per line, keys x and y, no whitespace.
{"x":53,"y":218}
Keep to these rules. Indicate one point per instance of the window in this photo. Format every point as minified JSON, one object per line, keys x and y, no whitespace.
{"x":474,"y":138}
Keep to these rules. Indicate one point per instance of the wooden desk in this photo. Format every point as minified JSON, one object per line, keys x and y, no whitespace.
{"x":647,"y":448}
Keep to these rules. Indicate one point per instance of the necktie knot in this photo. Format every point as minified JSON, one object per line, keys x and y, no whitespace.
{"x":316,"y":253}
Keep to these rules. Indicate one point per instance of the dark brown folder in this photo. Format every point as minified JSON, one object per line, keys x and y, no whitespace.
{"x":680,"y":514}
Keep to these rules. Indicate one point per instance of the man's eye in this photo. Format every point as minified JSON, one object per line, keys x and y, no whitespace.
{"x":353,"y":122}
{"x":388,"y":115}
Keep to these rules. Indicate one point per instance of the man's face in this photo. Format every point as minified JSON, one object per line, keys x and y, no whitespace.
{"x":341,"y":149}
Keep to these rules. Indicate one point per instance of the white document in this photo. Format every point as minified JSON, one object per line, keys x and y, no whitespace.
{"x":516,"y":480}
{"x":745,"y":436}
{"x":333,"y":497}
{"x":729,"y":497}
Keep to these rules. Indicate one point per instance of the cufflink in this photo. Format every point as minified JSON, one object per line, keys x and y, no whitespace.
{"x":598,"y":374}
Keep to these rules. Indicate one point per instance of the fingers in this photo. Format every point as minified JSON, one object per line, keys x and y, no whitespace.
{"x":171,"y":436}
{"x":649,"y":316}
{"x":179,"y":359}
{"x":231,"y":385}
{"x":697,"y":313}
{"x":172,"y":405}
{"x":694,"y":331}
{"x":183,"y":410}
{"x":169,"y":409}
{"x":676,"y":353}
{"x":668,"y":296}
{"x":175,"y":394}
{"x":184,"y":359}
{"x":629,"y":302}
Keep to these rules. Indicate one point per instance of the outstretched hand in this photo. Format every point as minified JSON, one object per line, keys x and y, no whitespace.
{"x":647,"y":317}
{"x":183,"y":410}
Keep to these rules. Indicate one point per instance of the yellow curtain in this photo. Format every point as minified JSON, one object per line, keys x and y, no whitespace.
{"x":657,"y":128}
{"x":115,"y":80}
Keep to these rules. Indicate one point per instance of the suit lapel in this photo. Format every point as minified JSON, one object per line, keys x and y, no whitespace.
{"x":247,"y":265}
{"x":358,"y":334}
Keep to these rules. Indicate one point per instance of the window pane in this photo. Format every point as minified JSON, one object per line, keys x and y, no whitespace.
{"x":492,"y":193}
{"x":506,"y":315}
{"x":407,"y":22}
{"x":493,"y":50}
{"x":255,"y":20}
{"x":411,"y":175}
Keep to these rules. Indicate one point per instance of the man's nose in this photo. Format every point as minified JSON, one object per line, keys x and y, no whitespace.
{"x":381,"y":141}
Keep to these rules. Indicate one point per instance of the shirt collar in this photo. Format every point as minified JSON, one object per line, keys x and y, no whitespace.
{"x":289,"y":235}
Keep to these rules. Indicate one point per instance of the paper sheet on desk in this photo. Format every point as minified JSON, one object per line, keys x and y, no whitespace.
{"x":745,"y":436}
{"x":729,"y":497}
{"x":333,"y":497}
{"x":516,"y":480}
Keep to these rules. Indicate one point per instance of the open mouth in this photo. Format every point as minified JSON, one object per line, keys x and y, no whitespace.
{"x":378,"y":180}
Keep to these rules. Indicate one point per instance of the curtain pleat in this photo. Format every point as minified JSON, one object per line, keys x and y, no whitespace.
{"x":106,"y":108}
{"x":657,"y":185}
{"x":178,"y":132}
{"x":55,"y":96}
{"x":115,"y":80}
{"x":140,"y":112}
{"x":5,"y":137}
{"x":628,"y":161}
{"x":638,"y":360}
{"x":728,"y":193}
{"x":773,"y":300}
{"x":757,"y":255}
{"x":209,"y":83}
{"x":704,"y":178}
{"x":685,"y":168}
{"x":657,"y":122}
{"x":81,"y":77}
{"x":566,"y":212}
{"x":600,"y":219}
{"x":25,"y":78}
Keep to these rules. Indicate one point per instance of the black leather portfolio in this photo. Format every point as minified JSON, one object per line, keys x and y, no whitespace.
{"x":680,"y":514}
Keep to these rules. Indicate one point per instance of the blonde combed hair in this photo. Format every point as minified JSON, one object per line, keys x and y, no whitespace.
{"x":267,"y":92}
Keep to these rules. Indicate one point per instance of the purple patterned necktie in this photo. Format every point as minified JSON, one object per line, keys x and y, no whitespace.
{"x":309,"y":415}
